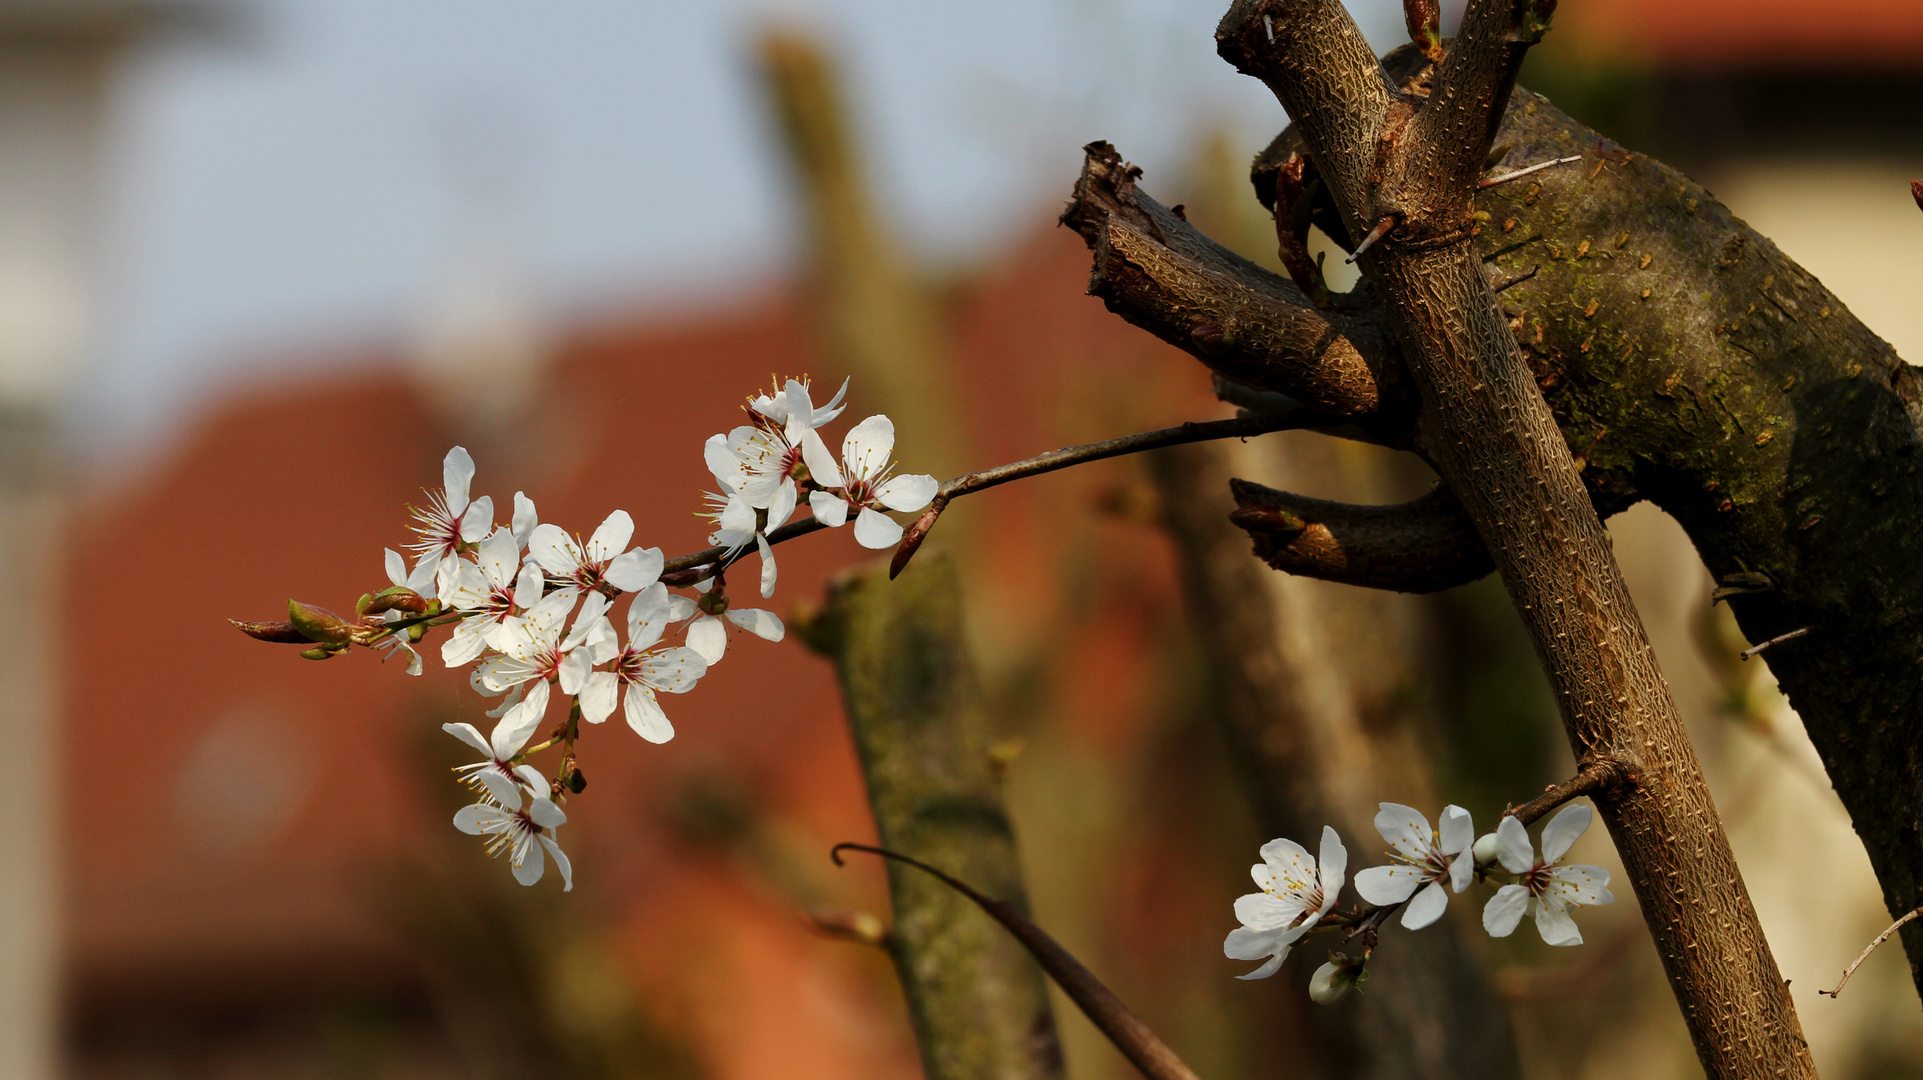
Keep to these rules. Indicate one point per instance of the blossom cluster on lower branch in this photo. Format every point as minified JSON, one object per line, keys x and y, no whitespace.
{"x":531,"y":606}
{"x":1300,"y":892}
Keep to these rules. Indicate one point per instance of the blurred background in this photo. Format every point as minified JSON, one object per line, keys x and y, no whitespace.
{"x":262,"y":262}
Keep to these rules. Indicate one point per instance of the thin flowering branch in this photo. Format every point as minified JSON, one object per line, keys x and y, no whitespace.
{"x":1898,"y":924}
{"x":1594,"y":777}
{"x":1123,"y":1028}
{"x":698,"y":565}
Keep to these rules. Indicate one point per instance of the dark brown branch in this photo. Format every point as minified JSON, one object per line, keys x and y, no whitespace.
{"x":1132,"y":1037}
{"x":1597,"y":777}
{"x":1318,"y":64}
{"x":1421,"y":546}
{"x":1448,"y":140}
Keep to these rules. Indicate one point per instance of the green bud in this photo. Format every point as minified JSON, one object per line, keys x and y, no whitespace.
{"x":319,"y":624}
{"x":1333,"y":980}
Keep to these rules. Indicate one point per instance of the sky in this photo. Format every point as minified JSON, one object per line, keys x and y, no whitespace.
{"x":295,"y":189}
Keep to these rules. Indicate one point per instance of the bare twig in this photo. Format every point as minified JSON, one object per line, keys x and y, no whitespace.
{"x":1123,"y":1028}
{"x":1484,"y":185}
{"x":1777,"y":640}
{"x":1519,"y":278}
{"x":1593,"y":778}
{"x":1381,"y":230}
{"x":1880,"y":938}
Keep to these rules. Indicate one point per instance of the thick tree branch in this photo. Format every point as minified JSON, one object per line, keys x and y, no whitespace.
{"x":1421,"y":546}
{"x":1250,"y":338}
{"x":1318,"y":64}
{"x":1489,"y":433}
{"x":1451,"y":133}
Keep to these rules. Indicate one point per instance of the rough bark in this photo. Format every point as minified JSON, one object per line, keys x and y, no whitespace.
{"x":977,"y":999}
{"x":1486,"y":428}
{"x":1431,"y":1013}
{"x":1689,"y":362}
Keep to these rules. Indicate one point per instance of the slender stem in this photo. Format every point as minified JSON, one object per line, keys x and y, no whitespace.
{"x":1123,"y":1028}
{"x":969,"y":483}
{"x":1594,"y":776}
{"x":1777,"y":640}
{"x":1865,"y":955}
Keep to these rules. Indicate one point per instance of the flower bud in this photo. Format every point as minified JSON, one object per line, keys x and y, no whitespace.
{"x":1485,"y":849}
{"x":714,"y":603}
{"x":282,"y":633}
{"x":319,"y":624}
{"x":1333,"y":980}
{"x":394,"y":598}
{"x":912,"y":538}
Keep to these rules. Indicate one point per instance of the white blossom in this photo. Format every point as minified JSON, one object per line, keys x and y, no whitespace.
{"x":1296,"y":893}
{"x":762,"y":460}
{"x":497,"y":767}
{"x":489,"y":590}
{"x":736,"y":525}
{"x":1424,"y":861}
{"x":604,"y":559}
{"x":514,"y":825}
{"x":450,"y":519}
{"x":640,"y":670}
{"x":1544,"y":887}
{"x":865,"y":488}
{"x":708,"y":634}
{"x":531,"y":645}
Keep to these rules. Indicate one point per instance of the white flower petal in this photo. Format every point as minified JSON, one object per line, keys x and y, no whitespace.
{"x":396,"y":567}
{"x":422,"y":579}
{"x":1385,"y":885}
{"x":470,"y":735}
{"x":520,"y":722}
{"x":554,"y":549}
{"x":498,"y":558}
{"x":1462,"y":872}
{"x":867,"y":446}
{"x":821,"y":464}
{"x":759,"y":622}
{"x":527,"y":862}
{"x":783,"y":506}
{"x":644,"y":715}
{"x":830,"y":510}
{"x":827,"y":413}
{"x":1563,"y":829}
{"x":709,"y":637}
{"x":545,"y":813}
{"x":1335,"y":861}
{"x":575,"y":668}
{"x":875,"y":530}
{"x":599,"y":695}
{"x":528,"y":585}
{"x":499,"y":785}
{"x":675,"y":671}
{"x":1554,"y":924}
{"x":721,"y":460}
{"x":1260,"y":911}
{"x":681,"y":607}
{"x":908,"y":493}
{"x":1504,"y":910}
{"x":1406,"y":830}
{"x":525,"y":519}
{"x":635,"y":570}
{"x":1582,"y":884}
{"x":611,"y":537}
{"x":481,"y":818}
{"x":457,"y":472}
{"x":768,"y":571}
{"x":1513,"y":849}
{"x":478,"y":519}
{"x":1427,"y":907}
{"x":561,"y":863}
{"x":1458,"y":832}
{"x":468,"y":641}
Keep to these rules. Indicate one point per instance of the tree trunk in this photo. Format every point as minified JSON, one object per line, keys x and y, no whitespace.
{"x":978,"y":1001}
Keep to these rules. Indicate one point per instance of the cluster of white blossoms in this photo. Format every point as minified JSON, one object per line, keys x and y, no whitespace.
{"x":531,"y":606}
{"x":1299,"y":893}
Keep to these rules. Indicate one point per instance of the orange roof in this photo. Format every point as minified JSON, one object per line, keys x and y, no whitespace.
{"x":1748,"y":33}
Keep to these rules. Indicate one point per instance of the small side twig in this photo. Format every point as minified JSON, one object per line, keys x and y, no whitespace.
{"x":1777,"y":640}
{"x":1592,"y":778}
{"x":1880,"y":939}
{"x":1123,"y":1028}
{"x":1381,"y":230}
{"x":1519,"y":278}
{"x":1484,"y":185}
